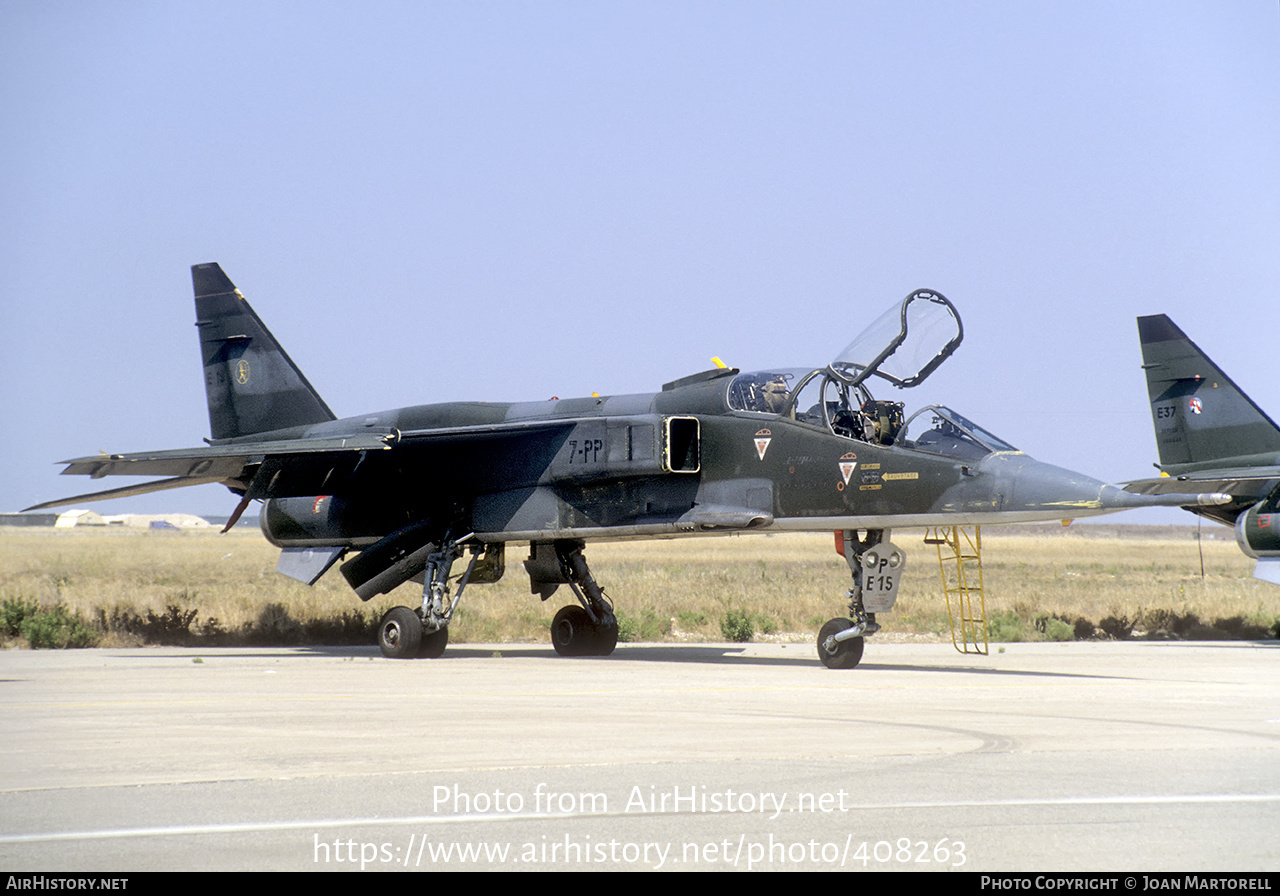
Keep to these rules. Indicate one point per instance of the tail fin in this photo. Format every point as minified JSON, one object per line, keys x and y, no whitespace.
{"x":1201,"y":417}
{"x":251,"y":383}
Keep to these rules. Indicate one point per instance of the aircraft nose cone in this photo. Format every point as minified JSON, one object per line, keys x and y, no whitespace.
{"x":1051,"y":492}
{"x":1043,"y":487}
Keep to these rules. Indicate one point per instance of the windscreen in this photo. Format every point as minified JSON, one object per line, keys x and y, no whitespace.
{"x":949,"y":433}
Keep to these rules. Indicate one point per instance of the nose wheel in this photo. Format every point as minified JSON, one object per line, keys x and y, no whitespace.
{"x":839,"y":654}
{"x":876,"y":566}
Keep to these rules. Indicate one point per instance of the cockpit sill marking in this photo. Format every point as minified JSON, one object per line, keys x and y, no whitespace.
{"x":763,"y":438}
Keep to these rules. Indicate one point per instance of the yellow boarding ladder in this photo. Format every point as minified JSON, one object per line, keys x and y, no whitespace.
{"x":961,"y":568}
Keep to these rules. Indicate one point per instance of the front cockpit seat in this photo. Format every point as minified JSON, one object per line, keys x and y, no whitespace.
{"x":885,"y":418}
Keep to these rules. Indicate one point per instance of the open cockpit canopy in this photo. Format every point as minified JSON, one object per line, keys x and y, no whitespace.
{"x":904,"y":345}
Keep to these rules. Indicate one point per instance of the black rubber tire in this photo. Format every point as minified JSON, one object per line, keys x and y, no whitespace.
{"x":572,"y":633}
{"x":606,"y":638}
{"x":400,"y":634}
{"x":847,"y":654}
{"x":433,"y":644}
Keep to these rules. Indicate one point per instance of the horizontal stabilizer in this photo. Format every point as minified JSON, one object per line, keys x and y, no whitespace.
{"x":1252,"y":485}
{"x":295,"y":466}
{"x":218,"y":461}
{"x":129,"y":491}
{"x":223,"y":457}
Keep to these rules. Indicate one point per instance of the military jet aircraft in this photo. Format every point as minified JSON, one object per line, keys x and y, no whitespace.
{"x":1211,"y":436}
{"x":405,"y":494}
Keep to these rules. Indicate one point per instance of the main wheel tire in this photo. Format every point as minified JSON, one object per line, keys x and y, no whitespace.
{"x":572,"y":633}
{"x":433,"y":644}
{"x":846,"y":654}
{"x":400,"y":634}
{"x":606,"y":638}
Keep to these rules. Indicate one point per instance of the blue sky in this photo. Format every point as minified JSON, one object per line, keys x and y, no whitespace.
{"x":502,"y":201}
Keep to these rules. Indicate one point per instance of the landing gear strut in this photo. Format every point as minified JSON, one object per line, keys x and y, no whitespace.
{"x":590,"y":629}
{"x":876,"y":566}
{"x":405,"y":633}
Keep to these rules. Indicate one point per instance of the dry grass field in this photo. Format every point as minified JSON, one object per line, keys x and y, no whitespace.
{"x":127,"y":587}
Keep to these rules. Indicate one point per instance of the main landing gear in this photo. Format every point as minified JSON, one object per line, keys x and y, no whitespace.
{"x":405,"y":633}
{"x":589,"y":629}
{"x":401,"y":635}
{"x":876,"y":566}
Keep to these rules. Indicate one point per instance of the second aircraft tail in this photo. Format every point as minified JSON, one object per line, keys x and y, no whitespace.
{"x":1201,"y":417}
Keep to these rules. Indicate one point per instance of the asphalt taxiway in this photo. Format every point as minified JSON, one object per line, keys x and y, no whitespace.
{"x":1081,"y":756}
